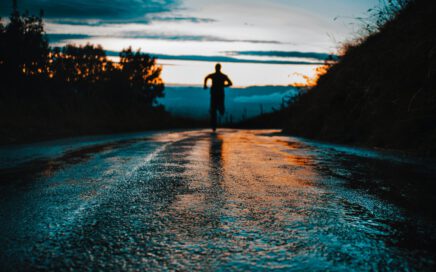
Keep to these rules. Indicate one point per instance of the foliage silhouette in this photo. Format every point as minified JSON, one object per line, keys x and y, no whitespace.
{"x":53,"y":92}
{"x":381,"y":92}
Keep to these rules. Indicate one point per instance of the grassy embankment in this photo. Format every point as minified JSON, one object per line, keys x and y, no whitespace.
{"x":382,"y":91}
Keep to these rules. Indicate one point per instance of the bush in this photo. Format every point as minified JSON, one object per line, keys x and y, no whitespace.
{"x":74,"y":89}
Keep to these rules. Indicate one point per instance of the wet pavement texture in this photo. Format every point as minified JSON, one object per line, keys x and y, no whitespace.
{"x":236,"y":200}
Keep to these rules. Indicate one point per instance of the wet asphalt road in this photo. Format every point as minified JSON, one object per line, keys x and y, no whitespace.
{"x":236,"y":200}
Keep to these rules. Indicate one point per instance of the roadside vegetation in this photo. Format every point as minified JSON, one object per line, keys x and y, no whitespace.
{"x":54,"y":92}
{"x":382,"y":90}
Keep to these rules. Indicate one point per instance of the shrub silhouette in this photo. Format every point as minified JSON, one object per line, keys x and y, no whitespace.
{"x":50,"y":92}
{"x":381,"y":92}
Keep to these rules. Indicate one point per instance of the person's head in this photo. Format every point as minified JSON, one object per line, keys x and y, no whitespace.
{"x":218,"y":67}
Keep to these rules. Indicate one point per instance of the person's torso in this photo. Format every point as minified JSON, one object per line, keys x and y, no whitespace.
{"x":218,"y":81}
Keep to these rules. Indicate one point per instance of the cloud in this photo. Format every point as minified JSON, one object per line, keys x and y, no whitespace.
{"x":183,"y":19}
{"x":96,"y":22}
{"x":222,"y":59}
{"x":283,"y":54}
{"x":161,"y":36}
{"x":135,"y":20}
{"x":233,"y":60}
{"x":203,"y":38}
{"x":99,"y":13}
{"x":55,"y":38}
{"x":93,"y":9}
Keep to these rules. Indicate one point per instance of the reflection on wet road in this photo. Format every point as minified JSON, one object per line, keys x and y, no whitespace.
{"x":235,"y":200}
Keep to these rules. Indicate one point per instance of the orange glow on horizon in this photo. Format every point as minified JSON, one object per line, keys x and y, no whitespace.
{"x":312,"y":81}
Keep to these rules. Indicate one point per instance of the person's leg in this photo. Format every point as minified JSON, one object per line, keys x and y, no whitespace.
{"x":221,"y":107}
{"x":213,"y":115}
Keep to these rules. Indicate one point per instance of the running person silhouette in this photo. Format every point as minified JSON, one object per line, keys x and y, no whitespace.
{"x":219,"y":82}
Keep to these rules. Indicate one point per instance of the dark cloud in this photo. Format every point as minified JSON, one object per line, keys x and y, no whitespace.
{"x":283,"y":54}
{"x":204,"y":38}
{"x":184,"y":19}
{"x":92,"y":9}
{"x":97,"y":22}
{"x":76,"y":22}
{"x":233,"y":60}
{"x":55,"y":38}
{"x":223,"y":59}
{"x":167,"y":37}
{"x":142,"y":20}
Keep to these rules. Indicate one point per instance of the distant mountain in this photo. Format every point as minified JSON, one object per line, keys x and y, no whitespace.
{"x":241,"y":103}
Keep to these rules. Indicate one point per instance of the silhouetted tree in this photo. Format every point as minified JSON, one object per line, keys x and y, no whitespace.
{"x":142,"y":74}
{"x":78,"y":64}
{"x":25,"y":47}
{"x":74,"y":88}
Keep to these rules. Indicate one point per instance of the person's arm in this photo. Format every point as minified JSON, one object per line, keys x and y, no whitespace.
{"x":205,"y":81}
{"x":228,"y":82}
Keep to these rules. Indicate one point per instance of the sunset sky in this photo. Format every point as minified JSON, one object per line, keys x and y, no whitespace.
{"x":259,"y":42}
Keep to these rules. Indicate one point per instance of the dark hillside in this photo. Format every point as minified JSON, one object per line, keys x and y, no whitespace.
{"x":382,"y":92}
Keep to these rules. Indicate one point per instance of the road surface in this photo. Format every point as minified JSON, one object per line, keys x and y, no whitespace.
{"x":192,"y":200}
